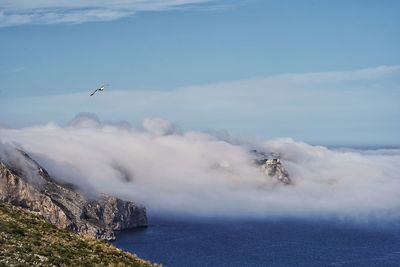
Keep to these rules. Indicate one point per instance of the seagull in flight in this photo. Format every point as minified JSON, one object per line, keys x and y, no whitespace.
{"x":101,"y":88}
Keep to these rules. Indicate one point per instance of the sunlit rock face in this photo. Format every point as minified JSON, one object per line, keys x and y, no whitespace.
{"x":23,"y":182}
{"x":271,"y":165}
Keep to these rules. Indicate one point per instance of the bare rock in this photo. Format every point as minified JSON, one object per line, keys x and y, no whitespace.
{"x":23,"y":182}
{"x":271,"y":165}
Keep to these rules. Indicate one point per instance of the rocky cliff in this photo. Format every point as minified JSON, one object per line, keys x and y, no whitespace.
{"x":23,"y":182}
{"x":271,"y":165}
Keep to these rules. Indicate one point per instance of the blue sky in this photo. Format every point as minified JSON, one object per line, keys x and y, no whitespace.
{"x":58,"y":50}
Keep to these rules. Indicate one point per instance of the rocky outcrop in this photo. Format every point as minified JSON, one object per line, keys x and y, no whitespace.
{"x":271,"y":165}
{"x":23,"y":182}
{"x":274,"y":169}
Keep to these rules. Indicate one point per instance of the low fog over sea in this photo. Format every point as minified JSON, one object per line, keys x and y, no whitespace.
{"x":209,"y":205}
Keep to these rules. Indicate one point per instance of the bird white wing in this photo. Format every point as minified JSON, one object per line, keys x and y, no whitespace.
{"x":101,"y":88}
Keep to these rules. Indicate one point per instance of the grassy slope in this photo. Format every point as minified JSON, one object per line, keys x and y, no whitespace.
{"x":26,"y":239}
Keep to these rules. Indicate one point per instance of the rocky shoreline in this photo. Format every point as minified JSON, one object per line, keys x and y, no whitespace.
{"x":25,"y":183}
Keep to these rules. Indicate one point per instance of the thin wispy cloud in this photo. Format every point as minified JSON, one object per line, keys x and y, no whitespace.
{"x":322,"y":107}
{"x":19,"y":12}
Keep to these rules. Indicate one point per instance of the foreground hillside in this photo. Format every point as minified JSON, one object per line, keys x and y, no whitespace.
{"x":26,"y":239}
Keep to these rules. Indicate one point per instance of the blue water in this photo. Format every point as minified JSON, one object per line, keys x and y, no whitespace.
{"x":263,"y":243}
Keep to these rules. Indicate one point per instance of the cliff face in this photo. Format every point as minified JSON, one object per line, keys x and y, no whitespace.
{"x":271,"y":165}
{"x":23,"y":182}
{"x":274,"y":169}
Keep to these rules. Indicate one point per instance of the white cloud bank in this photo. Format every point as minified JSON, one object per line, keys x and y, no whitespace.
{"x":19,"y":12}
{"x":195,"y":173}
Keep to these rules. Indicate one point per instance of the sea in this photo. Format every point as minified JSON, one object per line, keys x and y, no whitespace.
{"x":196,"y":242}
{"x":284,"y":242}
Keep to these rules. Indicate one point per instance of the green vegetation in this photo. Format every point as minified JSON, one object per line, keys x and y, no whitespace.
{"x":26,"y":239}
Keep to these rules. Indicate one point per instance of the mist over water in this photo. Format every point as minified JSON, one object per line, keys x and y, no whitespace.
{"x":178,"y":172}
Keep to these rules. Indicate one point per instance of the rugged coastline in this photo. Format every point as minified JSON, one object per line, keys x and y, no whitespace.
{"x":24,"y":183}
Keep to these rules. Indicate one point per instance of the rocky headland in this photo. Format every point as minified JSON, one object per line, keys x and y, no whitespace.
{"x":25,"y":183}
{"x":270,"y":164}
